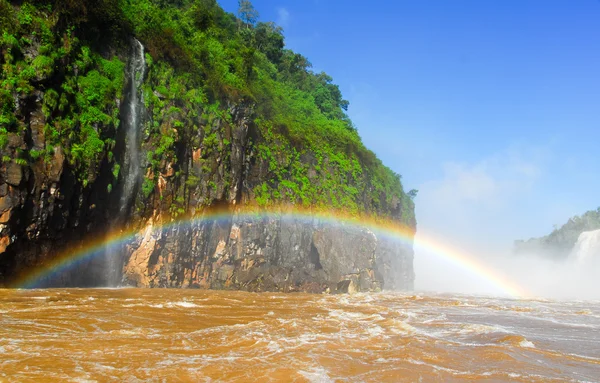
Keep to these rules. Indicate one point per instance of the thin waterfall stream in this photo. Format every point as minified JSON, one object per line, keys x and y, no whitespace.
{"x":137,"y":69}
{"x":131,"y":167}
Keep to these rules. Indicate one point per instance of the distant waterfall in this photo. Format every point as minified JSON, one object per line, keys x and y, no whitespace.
{"x":587,"y":247}
{"x":131,"y":167}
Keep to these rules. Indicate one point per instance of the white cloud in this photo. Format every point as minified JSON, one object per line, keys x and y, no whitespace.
{"x":464,"y":183}
{"x":474,"y":200}
{"x":283,"y":16}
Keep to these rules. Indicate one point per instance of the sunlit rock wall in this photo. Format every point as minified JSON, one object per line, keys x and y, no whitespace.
{"x":273,"y":254}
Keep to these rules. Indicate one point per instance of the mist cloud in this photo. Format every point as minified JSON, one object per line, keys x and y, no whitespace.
{"x":479,"y":209}
{"x":478,"y":202}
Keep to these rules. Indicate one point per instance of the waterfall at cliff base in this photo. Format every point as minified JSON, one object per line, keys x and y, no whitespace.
{"x":130,"y":168}
{"x":587,"y":247}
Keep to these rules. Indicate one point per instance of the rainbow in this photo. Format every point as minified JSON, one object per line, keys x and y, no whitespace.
{"x":381,"y":226}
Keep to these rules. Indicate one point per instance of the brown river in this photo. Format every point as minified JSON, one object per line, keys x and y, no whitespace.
{"x":134,"y":335}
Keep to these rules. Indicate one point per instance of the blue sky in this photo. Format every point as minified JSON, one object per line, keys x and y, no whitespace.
{"x":490,"y":108}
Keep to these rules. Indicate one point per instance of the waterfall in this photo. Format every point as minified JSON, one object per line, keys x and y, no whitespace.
{"x":587,"y":247}
{"x":131,"y":168}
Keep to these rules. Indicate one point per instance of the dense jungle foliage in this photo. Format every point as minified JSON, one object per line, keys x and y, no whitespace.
{"x":201,"y":61}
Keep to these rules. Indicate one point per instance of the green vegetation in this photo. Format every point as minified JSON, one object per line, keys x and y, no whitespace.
{"x":79,"y":87}
{"x":203,"y":65}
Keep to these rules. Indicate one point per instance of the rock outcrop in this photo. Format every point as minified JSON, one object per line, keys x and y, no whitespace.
{"x":268,"y":253}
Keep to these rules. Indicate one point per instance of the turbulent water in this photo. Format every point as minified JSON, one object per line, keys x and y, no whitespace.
{"x":136,"y":335}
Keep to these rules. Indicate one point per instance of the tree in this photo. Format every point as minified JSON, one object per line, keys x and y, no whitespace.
{"x":204,"y":13}
{"x":412,"y":193}
{"x":269,"y":40}
{"x":293,"y":68}
{"x":247,"y":13}
{"x":328,"y":97}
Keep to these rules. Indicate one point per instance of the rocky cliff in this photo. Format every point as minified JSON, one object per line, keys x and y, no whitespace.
{"x":275,"y":254}
{"x":99,"y":136}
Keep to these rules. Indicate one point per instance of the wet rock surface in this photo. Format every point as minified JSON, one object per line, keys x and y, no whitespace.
{"x":268,"y":254}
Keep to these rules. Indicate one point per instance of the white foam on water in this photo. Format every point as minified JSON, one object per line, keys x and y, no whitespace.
{"x":256,"y":336}
{"x":288,"y":343}
{"x":316,"y":375}
{"x":291,"y":322}
{"x":274,"y":347}
{"x":402,"y":328}
{"x":375,"y":330}
{"x":437,"y":318}
{"x":481,"y":329}
{"x":310,"y":338}
{"x":184,"y":304}
{"x":387,"y":360}
{"x":584,"y":357}
{"x":101,"y":367}
{"x":166,"y":362}
{"x":84,"y":380}
{"x":227,"y":358}
{"x":33,"y":309}
{"x":128,"y":332}
{"x":547,"y":318}
{"x":526,"y":344}
{"x":438,"y":368}
{"x":353,"y":316}
{"x":59,"y":307}
{"x":230,"y":327}
{"x":236,"y":301}
{"x":343,"y":300}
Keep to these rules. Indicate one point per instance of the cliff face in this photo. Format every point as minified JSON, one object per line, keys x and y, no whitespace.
{"x":147,"y":157}
{"x":274,"y":254}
